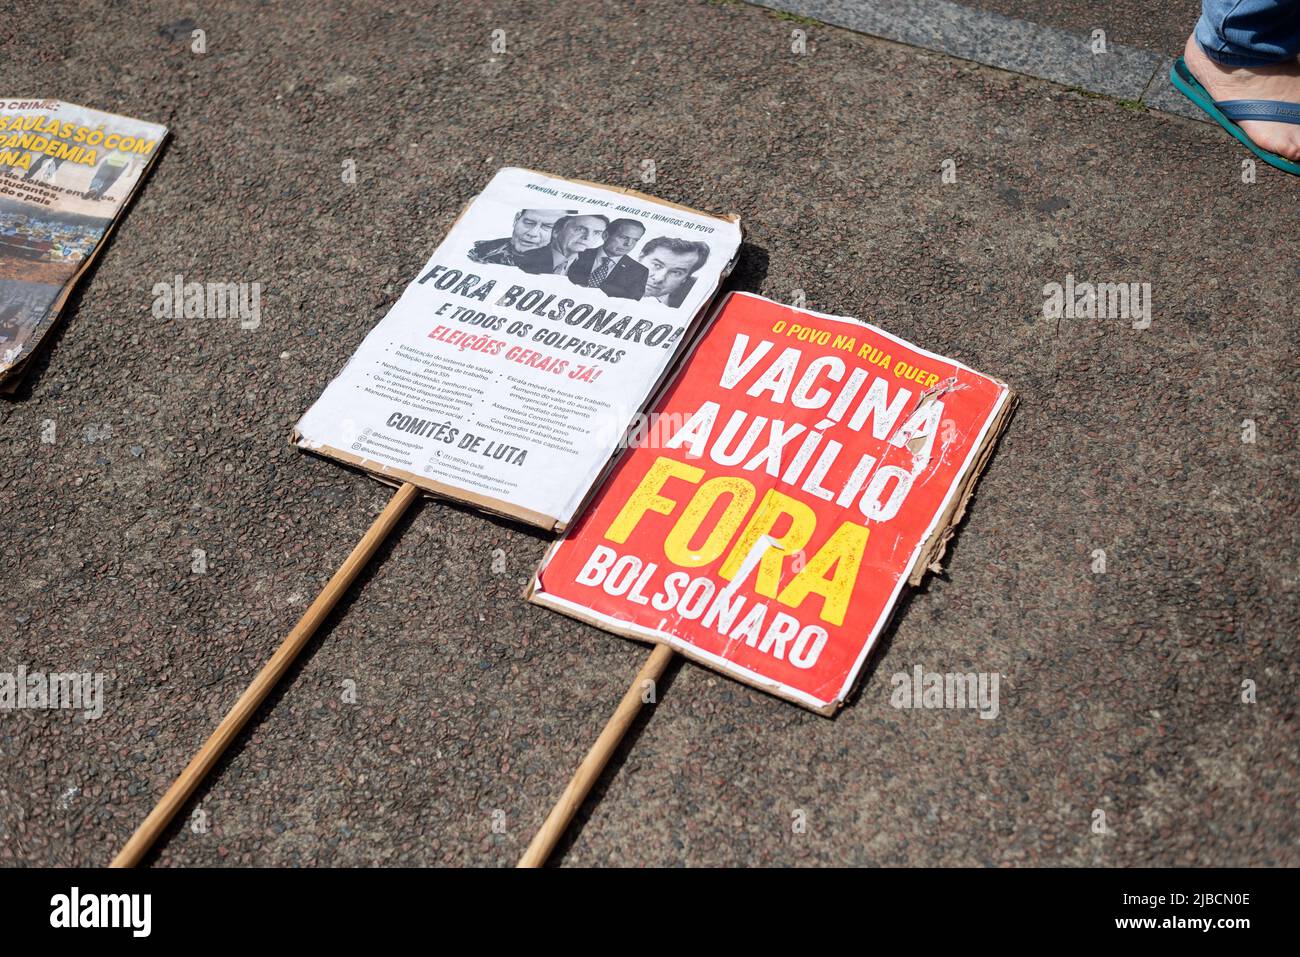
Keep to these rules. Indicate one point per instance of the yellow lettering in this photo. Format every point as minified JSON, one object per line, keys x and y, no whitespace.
{"x":843,"y":553}
{"x":769,"y":512}
{"x":646,"y":498}
{"x":677,"y":546}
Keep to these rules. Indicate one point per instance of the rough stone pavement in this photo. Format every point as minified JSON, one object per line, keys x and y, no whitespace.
{"x":1162,"y":27}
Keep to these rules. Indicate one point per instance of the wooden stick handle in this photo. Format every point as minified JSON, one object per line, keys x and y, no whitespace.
{"x":266,"y":679}
{"x":557,"y":822}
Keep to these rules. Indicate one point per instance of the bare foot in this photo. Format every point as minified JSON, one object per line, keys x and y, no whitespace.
{"x":1281,"y":82}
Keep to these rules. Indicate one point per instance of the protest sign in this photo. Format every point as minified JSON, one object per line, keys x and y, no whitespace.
{"x":508,"y":371}
{"x":797,"y":474}
{"x":505,"y":376}
{"x":66,"y":173}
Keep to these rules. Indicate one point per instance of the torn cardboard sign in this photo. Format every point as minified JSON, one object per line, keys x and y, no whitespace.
{"x":510,"y":369}
{"x":66,"y":174}
{"x":796,"y":474}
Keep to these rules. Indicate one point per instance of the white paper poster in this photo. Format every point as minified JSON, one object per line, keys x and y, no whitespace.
{"x":510,"y":369}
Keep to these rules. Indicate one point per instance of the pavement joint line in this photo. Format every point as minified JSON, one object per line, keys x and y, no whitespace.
{"x":1155,"y":72}
{"x":1123,"y":73}
{"x":1163,"y":97}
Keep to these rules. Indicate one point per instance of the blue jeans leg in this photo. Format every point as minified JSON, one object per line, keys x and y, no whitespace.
{"x":1249,"y":32}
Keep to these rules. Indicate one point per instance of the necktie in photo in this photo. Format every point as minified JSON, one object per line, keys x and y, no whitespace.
{"x":601,"y":272}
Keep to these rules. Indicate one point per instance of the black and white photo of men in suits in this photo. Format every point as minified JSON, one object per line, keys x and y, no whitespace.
{"x":671,"y":265}
{"x":531,"y":230}
{"x":570,"y":236}
{"x":608,"y":267}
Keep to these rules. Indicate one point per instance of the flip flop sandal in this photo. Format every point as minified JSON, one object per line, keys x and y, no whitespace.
{"x":1226,"y":112}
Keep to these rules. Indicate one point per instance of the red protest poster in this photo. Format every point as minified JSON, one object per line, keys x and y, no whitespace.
{"x":797,"y":473}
